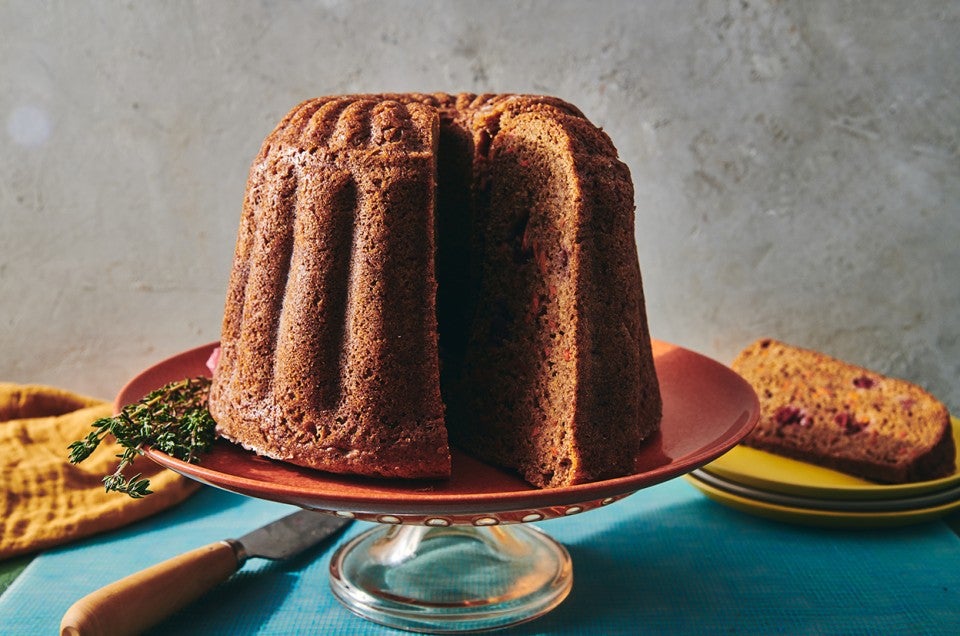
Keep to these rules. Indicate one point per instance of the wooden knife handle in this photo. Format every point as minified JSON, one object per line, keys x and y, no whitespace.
{"x":139,"y":601}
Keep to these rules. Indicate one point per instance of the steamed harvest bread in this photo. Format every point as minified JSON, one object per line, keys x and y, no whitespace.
{"x":412,"y":269}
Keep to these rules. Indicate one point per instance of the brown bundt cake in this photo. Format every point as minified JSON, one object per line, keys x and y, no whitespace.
{"x":410,"y":266}
{"x":828,"y":412}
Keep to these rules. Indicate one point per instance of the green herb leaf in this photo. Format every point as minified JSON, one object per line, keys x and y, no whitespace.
{"x":173,"y":419}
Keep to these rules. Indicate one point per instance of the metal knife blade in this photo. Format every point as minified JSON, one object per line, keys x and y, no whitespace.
{"x":288,"y":536}
{"x":139,"y":601}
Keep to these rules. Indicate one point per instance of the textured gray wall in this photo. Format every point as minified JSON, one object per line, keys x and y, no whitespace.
{"x":796,"y":163}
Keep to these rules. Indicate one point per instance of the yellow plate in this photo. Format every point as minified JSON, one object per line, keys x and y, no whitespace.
{"x":822,"y":518}
{"x":767,"y":471}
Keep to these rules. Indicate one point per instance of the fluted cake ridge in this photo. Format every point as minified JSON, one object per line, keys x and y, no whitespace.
{"x":417,"y":269}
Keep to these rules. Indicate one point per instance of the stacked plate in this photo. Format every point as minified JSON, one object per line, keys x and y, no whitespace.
{"x":771,"y":486}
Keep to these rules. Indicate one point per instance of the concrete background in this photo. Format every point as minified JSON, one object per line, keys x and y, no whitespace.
{"x":796,"y":163}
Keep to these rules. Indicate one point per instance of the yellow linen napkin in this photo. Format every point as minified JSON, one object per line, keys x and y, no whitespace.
{"x":44,"y":499}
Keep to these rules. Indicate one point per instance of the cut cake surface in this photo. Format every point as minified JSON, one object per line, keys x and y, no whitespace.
{"x":823,"y":410}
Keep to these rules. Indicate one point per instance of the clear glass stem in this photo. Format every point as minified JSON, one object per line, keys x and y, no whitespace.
{"x":448,"y":579}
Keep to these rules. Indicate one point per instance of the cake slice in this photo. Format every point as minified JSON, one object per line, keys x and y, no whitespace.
{"x":825,"y":411}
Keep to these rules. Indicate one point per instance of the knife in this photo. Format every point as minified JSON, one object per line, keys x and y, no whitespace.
{"x":139,"y":601}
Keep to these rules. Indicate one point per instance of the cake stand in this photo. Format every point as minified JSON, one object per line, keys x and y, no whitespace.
{"x":458,"y":554}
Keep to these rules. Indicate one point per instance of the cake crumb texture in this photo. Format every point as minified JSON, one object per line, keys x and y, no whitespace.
{"x":819,"y":409}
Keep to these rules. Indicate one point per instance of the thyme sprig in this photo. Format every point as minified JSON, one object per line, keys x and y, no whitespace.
{"x":172,"y":419}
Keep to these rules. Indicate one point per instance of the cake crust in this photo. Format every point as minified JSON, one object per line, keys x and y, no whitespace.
{"x":319,"y":337}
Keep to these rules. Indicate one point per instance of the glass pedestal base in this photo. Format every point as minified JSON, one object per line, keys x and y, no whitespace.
{"x":451,"y":579}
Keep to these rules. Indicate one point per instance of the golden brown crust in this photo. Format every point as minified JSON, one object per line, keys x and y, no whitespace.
{"x":319,"y":336}
{"x":358,"y":391}
{"x":826,"y":411}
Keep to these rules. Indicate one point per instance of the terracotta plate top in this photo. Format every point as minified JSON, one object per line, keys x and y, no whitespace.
{"x":707,"y":409}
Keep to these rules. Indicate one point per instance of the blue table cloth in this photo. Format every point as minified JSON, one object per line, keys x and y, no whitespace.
{"x":665,"y":560}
